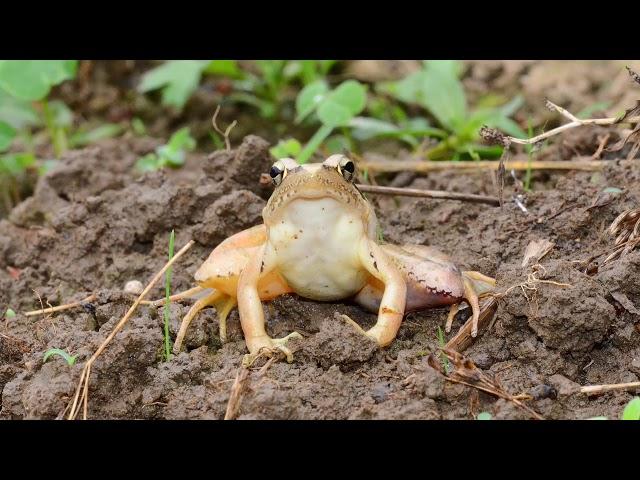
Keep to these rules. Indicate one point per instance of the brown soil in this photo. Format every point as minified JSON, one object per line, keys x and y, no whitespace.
{"x":93,"y":224}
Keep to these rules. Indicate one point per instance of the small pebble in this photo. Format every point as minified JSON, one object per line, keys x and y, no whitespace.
{"x":133,"y":286}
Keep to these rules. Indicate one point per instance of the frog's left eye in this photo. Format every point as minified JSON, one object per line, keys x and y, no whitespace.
{"x":277,"y":173}
{"x":347,"y":168}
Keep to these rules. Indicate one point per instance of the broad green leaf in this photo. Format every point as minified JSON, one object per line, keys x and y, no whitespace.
{"x":365,"y":128}
{"x":32,"y":79}
{"x":170,"y":156}
{"x":178,"y":79}
{"x":107,"y":130}
{"x":448,"y":67}
{"x":7,"y":134}
{"x":309,"y":98}
{"x":182,"y":140}
{"x":227,"y":68}
{"x":436,"y":89}
{"x":290,"y":148}
{"x":148,"y":163}
{"x":17,"y":113}
{"x":632,"y":410}
{"x":342,"y":104}
{"x":70,"y":359}
{"x":16,"y":163}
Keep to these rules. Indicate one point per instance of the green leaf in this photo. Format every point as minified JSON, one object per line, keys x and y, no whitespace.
{"x":227,"y":68}
{"x":137,"y":126}
{"x":61,"y":115}
{"x":448,"y":67}
{"x":17,"y":113}
{"x":436,"y":89}
{"x":7,"y":134}
{"x":309,"y":98}
{"x":343,"y":103}
{"x":32,"y":79}
{"x":148,"y":163}
{"x":182,"y":140}
{"x":108,"y":130}
{"x":290,"y":148}
{"x":178,"y":79}
{"x":337,"y":144}
{"x":9,"y":313}
{"x":632,"y":410}
{"x":16,"y":163}
{"x":588,"y":111}
{"x":484,"y":416}
{"x":70,"y":359}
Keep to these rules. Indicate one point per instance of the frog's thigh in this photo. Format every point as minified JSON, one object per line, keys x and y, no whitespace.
{"x":393,"y":300}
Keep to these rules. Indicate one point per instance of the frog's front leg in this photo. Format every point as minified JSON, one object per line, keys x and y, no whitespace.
{"x":250,"y":308}
{"x":392,"y":303}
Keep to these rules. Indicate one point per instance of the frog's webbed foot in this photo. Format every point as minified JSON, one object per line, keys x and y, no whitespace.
{"x":267,"y":346}
{"x":475,"y":286}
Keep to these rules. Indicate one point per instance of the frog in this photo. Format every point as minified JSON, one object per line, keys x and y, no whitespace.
{"x":319,"y":239}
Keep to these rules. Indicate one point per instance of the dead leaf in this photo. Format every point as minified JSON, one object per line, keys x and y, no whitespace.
{"x":623,"y":300}
{"x":536,"y":250}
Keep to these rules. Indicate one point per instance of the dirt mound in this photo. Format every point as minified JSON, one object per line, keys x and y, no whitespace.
{"x":93,"y":224}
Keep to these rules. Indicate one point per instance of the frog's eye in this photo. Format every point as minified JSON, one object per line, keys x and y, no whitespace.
{"x":277,"y":173}
{"x":347,"y":168}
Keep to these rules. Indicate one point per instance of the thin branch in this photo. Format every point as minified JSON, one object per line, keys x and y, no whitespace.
{"x":575,"y":122}
{"x":587,"y":164}
{"x":60,"y":308}
{"x":414,"y":192}
{"x":226,"y":133}
{"x":595,"y":389}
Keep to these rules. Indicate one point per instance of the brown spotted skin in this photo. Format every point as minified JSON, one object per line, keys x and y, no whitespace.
{"x":432,"y":279}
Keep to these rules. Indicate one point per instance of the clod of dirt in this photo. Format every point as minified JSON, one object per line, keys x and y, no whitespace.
{"x":235,"y":211}
{"x":338,"y":343}
{"x":568,"y":319}
{"x":240,"y":169}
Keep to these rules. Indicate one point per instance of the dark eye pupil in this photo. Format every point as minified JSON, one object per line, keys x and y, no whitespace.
{"x":349,"y":167}
{"x":274,"y":172}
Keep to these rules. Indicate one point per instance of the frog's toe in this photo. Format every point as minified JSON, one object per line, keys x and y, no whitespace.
{"x":358,"y":328}
{"x":269,"y":347}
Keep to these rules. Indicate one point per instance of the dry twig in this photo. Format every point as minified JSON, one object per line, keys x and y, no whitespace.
{"x":82,"y":391}
{"x":226,"y":133}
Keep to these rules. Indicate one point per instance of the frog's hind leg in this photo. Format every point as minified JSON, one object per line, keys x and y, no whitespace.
{"x":223,"y":304}
{"x":476,"y":285}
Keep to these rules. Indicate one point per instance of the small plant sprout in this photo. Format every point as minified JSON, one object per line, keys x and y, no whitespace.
{"x":70,"y":359}
{"x":632,"y":410}
{"x":290,"y":148}
{"x":9,"y":314}
{"x":437,"y":89}
{"x":442,"y":344}
{"x":172,"y":154}
{"x":484,"y":416}
{"x":167,"y":339}
{"x":334,"y":109}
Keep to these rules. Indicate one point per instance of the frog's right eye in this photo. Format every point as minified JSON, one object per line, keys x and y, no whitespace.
{"x":277,"y":173}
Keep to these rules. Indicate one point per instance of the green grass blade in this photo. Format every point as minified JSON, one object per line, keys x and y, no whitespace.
{"x":70,"y":359}
{"x":167,"y":340}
